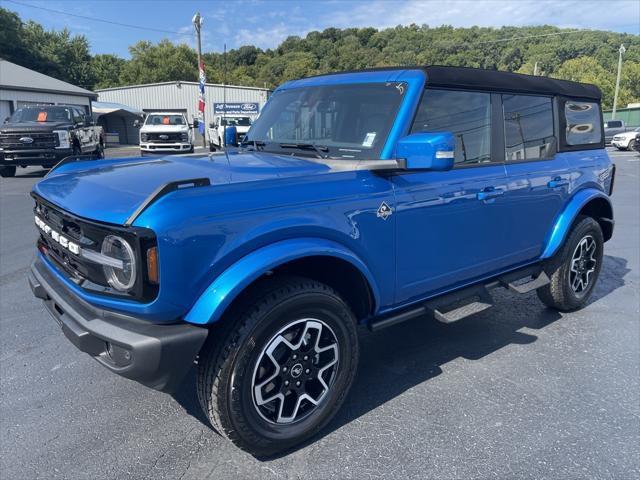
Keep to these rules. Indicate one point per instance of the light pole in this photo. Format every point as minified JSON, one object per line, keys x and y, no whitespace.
{"x":197,"y":23}
{"x":615,"y":95}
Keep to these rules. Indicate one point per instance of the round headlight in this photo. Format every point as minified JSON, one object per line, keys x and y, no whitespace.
{"x":121,"y":279}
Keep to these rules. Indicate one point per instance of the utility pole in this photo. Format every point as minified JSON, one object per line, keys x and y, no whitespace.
{"x":197,"y":23}
{"x":621,"y":51}
{"x":535,"y":69}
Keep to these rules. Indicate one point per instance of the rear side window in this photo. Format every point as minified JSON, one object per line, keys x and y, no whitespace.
{"x":528,"y":128}
{"x":583,"y":123}
{"x":465,"y":114}
{"x":610,"y":123}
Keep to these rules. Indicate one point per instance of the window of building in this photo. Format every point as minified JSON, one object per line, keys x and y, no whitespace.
{"x":583,"y":123}
{"x":467,"y":115}
{"x":528,"y":127}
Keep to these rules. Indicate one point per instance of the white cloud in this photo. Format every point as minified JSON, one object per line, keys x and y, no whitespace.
{"x":301,"y":18}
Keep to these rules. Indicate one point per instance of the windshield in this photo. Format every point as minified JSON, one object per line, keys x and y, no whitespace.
{"x":341,"y":121}
{"x":236,"y":122}
{"x":155,"y":119}
{"x":41,"y":114}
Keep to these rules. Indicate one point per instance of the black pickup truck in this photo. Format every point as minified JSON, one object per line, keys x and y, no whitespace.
{"x":45,"y":134}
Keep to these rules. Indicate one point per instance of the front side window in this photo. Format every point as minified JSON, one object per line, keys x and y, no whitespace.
{"x":583,"y":123}
{"x":349,"y":121}
{"x":613,"y":124}
{"x":465,"y":114}
{"x":528,"y":127}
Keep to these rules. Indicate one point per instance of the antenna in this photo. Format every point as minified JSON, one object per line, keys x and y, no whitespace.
{"x":224,"y":103}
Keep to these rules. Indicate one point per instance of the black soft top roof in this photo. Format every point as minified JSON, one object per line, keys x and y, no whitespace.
{"x":479,"y":79}
{"x":493,"y":80}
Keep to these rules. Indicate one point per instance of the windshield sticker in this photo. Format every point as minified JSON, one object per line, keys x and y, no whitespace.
{"x":42,"y":117}
{"x":368,"y":139}
{"x":165,"y":120}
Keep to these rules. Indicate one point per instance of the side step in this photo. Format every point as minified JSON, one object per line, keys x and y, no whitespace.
{"x":461,"y":304}
{"x":516,"y":283}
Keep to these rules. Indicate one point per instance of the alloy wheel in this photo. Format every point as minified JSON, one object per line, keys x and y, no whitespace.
{"x":295,"y":371}
{"x":583,"y":264}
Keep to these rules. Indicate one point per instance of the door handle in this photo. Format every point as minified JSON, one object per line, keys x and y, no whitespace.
{"x":488,"y":193}
{"x":557,"y":182}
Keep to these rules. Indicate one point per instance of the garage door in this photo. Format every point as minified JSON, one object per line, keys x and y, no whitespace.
{"x":5,"y":109}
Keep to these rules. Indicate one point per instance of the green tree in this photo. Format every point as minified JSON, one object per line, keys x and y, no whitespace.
{"x":163,"y":62}
{"x":587,"y":70}
{"x":106,"y":70}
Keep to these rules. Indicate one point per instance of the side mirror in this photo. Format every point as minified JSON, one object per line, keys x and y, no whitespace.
{"x":427,"y":151}
{"x":6,"y":120}
{"x":136,"y":123}
{"x":196,"y":123}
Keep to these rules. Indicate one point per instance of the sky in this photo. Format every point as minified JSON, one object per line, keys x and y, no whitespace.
{"x":265,"y":23}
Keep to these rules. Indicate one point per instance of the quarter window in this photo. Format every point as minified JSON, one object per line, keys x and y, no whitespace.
{"x":583,"y":123}
{"x":467,"y":115}
{"x":528,"y":127}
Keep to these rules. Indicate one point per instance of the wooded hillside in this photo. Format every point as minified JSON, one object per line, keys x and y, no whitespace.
{"x":586,"y":56}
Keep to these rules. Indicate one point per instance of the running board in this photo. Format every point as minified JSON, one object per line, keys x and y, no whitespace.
{"x":455,"y":306}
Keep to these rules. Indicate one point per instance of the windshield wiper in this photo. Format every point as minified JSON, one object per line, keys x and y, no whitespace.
{"x":321,"y":150}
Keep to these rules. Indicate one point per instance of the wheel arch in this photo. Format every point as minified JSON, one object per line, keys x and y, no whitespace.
{"x":319,"y":259}
{"x":590,"y":202}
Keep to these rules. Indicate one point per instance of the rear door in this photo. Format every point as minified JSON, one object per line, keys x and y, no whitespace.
{"x":538,"y":177}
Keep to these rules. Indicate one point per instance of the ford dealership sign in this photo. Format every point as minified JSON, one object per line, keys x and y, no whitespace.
{"x":237,"y":108}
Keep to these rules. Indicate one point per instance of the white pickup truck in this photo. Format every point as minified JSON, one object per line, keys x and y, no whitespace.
{"x":217,"y":127}
{"x":166,"y":131}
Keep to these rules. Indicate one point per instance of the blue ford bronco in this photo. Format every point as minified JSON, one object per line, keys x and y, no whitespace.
{"x":358,"y":198}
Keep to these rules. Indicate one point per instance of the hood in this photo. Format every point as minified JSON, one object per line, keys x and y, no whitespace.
{"x":33,"y":126}
{"x":631,"y":134}
{"x":111,"y":190}
{"x":164,"y":128}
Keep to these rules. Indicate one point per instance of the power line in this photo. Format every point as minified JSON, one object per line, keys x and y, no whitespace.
{"x":541,"y":35}
{"x":128,"y":25}
{"x":140,"y":27}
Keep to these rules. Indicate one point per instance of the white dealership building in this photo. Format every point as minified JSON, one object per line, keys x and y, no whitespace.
{"x":182,"y":97}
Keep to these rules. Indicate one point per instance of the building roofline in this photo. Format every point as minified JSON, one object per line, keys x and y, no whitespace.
{"x":90,"y":95}
{"x":124,"y":87}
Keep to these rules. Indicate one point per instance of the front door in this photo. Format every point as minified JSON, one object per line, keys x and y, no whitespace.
{"x":452,"y":226}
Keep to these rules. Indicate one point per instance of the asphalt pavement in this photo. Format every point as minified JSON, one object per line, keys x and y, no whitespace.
{"x":518,"y":391}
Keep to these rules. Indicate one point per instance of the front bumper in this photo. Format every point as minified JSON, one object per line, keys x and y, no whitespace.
{"x":33,"y":157}
{"x":157,"y":356}
{"x":167,"y":147}
{"x":619,"y":143}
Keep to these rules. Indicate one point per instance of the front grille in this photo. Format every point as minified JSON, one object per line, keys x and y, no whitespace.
{"x":11,"y":141}
{"x":89,"y":235}
{"x":78,"y":268}
{"x":170,"y":137}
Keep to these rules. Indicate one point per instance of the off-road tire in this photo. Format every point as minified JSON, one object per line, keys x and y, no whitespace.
{"x":6,"y":172}
{"x":99,"y":152}
{"x":558,"y":294}
{"x":227,"y":362}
